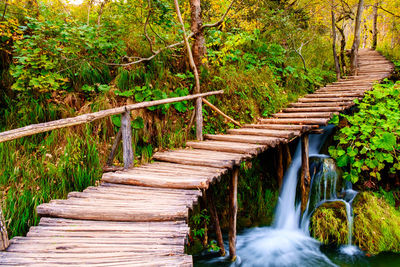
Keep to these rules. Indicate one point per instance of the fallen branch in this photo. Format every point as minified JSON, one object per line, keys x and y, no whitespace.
{"x":221,"y":113}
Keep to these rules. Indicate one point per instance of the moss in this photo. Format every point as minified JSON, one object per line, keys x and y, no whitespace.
{"x":329,"y":223}
{"x":376,"y":224}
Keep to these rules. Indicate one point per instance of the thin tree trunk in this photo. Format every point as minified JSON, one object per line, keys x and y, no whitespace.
{"x":199,"y":47}
{"x":356,"y":43}
{"x":335,"y":57}
{"x":101,"y":10}
{"x":365,"y":34}
{"x":5,"y":9}
{"x":199,"y":114}
{"x":342,"y":50}
{"x":375,"y":27}
{"x":88,"y":11}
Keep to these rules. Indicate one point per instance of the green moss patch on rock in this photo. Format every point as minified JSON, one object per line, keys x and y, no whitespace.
{"x":329,"y":223}
{"x":376,"y":224}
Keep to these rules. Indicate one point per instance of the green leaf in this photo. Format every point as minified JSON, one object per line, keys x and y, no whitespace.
{"x":116,"y":120}
{"x":387,"y":141}
{"x":138,"y":123}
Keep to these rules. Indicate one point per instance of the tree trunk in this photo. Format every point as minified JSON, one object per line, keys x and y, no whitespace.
{"x":199,"y":48}
{"x":199,"y":109}
{"x":335,"y":57}
{"x":356,"y":43}
{"x":375,"y":27}
{"x":342,"y":50}
{"x":88,"y":11}
{"x":101,"y":10}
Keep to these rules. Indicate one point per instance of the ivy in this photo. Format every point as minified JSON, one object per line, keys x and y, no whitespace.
{"x":369,"y":146}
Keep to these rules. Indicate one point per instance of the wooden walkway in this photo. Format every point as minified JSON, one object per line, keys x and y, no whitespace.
{"x":139,"y":217}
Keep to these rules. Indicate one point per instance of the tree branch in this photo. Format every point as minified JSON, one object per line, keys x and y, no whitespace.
{"x":387,"y":11}
{"x":145,"y":26}
{"x":221,"y":20}
{"x":5,"y":9}
{"x":189,"y":50}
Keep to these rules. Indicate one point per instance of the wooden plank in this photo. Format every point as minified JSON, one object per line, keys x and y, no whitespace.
{"x":314,"y":109}
{"x":154,"y":181}
{"x":336,"y":94}
{"x":333,"y":99}
{"x":345,"y":104}
{"x":251,"y":139}
{"x":313,"y":121}
{"x":47,"y":221}
{"x":303,"y":115}
{"x":174,"y":158}
{"x":110,"y":213}
{"x":291,"y":127}
{"x":243,"y":148}
{"x":265,"y":132}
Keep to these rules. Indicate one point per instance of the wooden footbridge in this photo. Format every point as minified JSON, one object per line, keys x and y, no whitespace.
{"x":138,"y":217}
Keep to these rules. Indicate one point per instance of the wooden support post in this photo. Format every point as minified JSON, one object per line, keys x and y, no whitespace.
{"x":114,"y":148}
{"x":305,"y":172}
{"x":126,"y":130}
{"x":279,"y":163}
{"x":4,"y":242}
{"x":287,"y":155}
{"x":214,"y":218}
{"x":199,"y":119}
{"x":233,"y":213}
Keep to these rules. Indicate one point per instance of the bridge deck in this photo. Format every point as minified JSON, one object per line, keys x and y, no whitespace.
{"x":139,"y":217}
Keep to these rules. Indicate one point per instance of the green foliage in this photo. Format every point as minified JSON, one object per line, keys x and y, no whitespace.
{"x":376,"y":224}
{"x":370,"y":145}
{"x":198,"y":223}
{"x":329,"y":224}
{"x":57,"y":54}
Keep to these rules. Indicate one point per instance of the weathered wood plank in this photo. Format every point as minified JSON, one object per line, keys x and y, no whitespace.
{"x":251,"y":139}
{"x":264,"y":132}
{"x":243,"y":148}
{"x":291,"y":127}
{"x":314,"y":109}
{"x":110,"y":213}
{"x":303,"y":115}
{"x":313,"y":121}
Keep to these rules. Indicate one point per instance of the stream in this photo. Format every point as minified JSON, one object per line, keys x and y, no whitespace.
{"x":287,"y":241}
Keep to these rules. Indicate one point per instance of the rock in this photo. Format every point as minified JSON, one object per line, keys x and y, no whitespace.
{"x":328,"y":224}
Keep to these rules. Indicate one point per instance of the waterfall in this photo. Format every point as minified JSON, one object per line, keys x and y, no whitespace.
{"x":287,"y":242}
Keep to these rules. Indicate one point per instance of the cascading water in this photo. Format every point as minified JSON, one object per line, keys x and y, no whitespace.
{"x":287,"y":242}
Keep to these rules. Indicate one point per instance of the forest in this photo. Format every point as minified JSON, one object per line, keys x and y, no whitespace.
{"x":64,"y":58}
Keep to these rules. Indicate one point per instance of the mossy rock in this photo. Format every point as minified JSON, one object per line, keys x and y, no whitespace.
{"x":376,"y":224}
{"x":329,"y":223}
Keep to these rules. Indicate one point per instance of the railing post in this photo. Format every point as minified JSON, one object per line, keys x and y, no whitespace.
{"x":4,"y":242}
{"x":305,"y":172}
{"x":233,"y":213}
{"x":126,"y":129}
{"x":199,"y":119}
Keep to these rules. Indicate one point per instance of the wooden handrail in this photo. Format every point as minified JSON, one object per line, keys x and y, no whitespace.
{"x":86,"y":118}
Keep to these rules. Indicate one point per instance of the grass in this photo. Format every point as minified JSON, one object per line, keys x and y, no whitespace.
{"x":329,"y":224}
{"x":376,"y":224}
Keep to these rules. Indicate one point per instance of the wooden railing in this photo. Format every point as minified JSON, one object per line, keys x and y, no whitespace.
{"x":125,"y":132}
